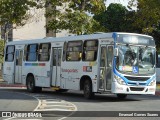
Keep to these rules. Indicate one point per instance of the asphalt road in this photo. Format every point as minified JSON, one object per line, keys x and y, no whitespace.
{"x":16,"y":99}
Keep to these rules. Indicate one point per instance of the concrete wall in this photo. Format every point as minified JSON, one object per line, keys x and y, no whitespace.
{"x":34,"y":29}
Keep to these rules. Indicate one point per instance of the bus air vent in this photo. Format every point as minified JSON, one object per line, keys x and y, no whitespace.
{"x":136,"y":89}
{"x":137,"y":78}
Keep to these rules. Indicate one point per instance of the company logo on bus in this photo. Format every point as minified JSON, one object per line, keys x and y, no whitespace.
{"x":137,"y":83}
{"x":70,"y":70}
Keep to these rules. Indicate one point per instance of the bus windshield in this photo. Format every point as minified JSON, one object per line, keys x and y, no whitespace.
{"x":136,"y":60}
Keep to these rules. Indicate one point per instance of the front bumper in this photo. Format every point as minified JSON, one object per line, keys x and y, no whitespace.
{"x":125,"y":89}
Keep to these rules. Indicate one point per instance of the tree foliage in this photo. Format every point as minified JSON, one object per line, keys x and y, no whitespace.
{"x":147,"y":18}
{"x":15,"y":11}
{"x":1,"y":50}
{"x":115,"y":18}
{"x":147,"y":15}
{"x":73,"y":15}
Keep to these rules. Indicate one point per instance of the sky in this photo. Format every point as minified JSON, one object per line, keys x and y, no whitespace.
{"x":123,"y":2}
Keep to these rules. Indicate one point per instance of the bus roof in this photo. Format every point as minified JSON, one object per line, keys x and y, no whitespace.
{"x":71,"y":38}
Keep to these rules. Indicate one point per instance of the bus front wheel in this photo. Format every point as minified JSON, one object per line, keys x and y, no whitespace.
{"x":121,"y":96}
{"x":88,"y":90}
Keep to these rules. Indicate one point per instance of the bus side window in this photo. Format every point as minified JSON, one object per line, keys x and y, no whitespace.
{"x":9,"y":53}
{"x":64,"y":51}
{"x":90,"y":50}
{"x":44,"y":52}
{"x":74,"y":51}
{"x":32,"y":50}
{"x":25,"y":53}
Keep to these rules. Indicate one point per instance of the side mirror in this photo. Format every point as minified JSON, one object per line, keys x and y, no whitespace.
{"x":116,"y":50}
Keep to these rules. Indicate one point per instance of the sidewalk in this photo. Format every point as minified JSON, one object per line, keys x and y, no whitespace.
{"x":158,"y":89}
{"x":5,"y":84}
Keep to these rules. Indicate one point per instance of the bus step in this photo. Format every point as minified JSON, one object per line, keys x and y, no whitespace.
{"x":55,"y":88}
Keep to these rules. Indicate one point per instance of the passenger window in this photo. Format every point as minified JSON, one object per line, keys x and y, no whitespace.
{"x":90,"y":50}
{"x":74,"y":51}
{"x":9,"y":53}
{"x":44,"y":52}
{"x":25,"y":52}
{"x":32,"y":52}
{"x":64,"y":51}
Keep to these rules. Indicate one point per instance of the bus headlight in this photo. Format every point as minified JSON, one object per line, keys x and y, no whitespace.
{"x":152,"y":83}
{"x":119,"y":80}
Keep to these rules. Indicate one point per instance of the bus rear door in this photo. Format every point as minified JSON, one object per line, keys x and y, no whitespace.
{"x":56,"y":68}
{"x":18,"y":66}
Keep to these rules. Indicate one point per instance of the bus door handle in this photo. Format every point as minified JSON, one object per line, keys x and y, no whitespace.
{"x":61,"y":76}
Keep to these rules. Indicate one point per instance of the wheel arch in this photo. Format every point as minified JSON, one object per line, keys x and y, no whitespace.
{"x":83,"y":79}
{"x":29,"y":74}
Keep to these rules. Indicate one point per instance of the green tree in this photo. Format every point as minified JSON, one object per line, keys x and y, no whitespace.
{"x":73,"y":15}
{"x":116,"y":18}
{"x":1,"y":50}
{"x":15,"y":13}
{"x":147,"y":14}
{"x":147,"y":18}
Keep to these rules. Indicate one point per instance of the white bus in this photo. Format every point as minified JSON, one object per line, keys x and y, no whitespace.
{"x":158,"y":72}
{"x":119,"y":63}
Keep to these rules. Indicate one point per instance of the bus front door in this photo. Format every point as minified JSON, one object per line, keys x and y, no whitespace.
{"x":18,"y":66}
{"x":106,"y":55}
{"x":56,"y":70}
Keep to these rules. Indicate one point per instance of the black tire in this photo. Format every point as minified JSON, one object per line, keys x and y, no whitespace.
{"x":31,"y":84}
{"x":121,"y":96}
{"x":88,"y":90}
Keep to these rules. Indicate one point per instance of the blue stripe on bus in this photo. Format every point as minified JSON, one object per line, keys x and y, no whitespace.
{"x":28,"y":64}
{"x":114,"y":35}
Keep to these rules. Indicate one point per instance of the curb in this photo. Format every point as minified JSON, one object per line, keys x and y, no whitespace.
{"x":11,"y":85}
{"x":157,"y":93}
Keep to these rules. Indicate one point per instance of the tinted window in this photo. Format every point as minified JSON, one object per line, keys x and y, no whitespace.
{"x":90,"y":50}
{"x":9,"y":53}
{"x":74,"y":51}
{"x":44,"y":52}
{"x":32,"y":52}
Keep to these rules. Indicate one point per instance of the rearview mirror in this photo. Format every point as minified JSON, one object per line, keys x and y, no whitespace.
{"x":116,"y":52}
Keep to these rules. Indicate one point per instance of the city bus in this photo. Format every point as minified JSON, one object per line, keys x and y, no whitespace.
{"x":157,"y":72}
{"x":115,"y":63}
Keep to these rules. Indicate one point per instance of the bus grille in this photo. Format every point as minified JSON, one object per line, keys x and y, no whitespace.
{"x":136,"y":89}
{"x":137,"y":78}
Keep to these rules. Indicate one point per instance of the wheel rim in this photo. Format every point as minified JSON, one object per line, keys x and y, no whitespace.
{"x":30,"y":84}
{"x":86,"y":90}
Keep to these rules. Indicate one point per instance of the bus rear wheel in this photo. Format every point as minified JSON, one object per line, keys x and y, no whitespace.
{"x":121,"y":96}
{"x":31,"y":85}
{"x":88,"y":90}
